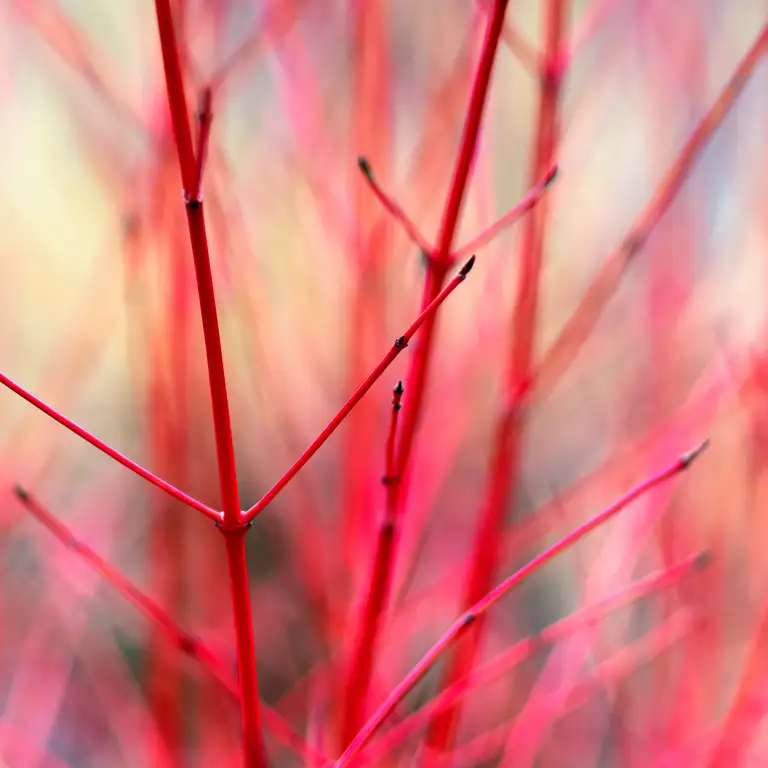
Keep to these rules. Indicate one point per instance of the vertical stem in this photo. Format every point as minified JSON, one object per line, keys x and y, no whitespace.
{"x":360,"y":663}
{"x":440,"y":262}
{"x":505,"y":456}
{"x":246,"y":655}
{"x":437,"y":267}
{"x":371,"y":135}
{"x":231,"y":526}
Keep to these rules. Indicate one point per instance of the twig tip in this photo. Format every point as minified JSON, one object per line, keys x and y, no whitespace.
{"x":464,"y":271}
{"x":552,"y":175}
{"x":21,"y":493}
{"x":365,"y":167}
{"x":399,"y":388}
{"x":690,"y":456}
{"x":703,"y":559}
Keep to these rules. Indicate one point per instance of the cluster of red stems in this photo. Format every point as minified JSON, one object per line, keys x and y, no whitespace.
{"x":357,"y":729}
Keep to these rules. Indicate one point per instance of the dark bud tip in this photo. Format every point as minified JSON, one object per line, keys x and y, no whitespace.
{"x":464,"y":271}
{"x":365,"y":167}
{"x":690,"y":456}
{"x":552,"y":175}
{"x":399,"y":388}
{"x":704,"y":559}
{"x":21,"y":493}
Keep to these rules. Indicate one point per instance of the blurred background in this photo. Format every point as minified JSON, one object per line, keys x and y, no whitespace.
{"x":649,"y":336}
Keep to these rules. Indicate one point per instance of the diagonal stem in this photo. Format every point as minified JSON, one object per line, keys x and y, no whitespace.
{"x":184,"y":641}
{"x":108,"y":450}
{"x":481,"y":607}
{"x":400,"y":344}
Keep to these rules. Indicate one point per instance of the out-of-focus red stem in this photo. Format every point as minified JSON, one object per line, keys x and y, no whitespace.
{"x":525,"y":648}
{"x":502,"y":473}
{"x":608,"y":673}
{"x":737,"y":731}
{"x":393,"y":207}
{"x":438,"y":266}
{"x":111,"y":452}
{"x":577,"y":329}
{"x":187,"y":643}
{"x":400,"y":344}
{"x":467,"y":619}
{"x":360,"y":663}
{"x":589,"y":23}
{"x":436,"y":270}
{"x":510,"y":217}
{"x":232,"y":525}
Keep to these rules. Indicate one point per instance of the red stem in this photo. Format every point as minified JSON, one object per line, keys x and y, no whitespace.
{"x":184,"y":641}
{"x":523,"y":649}
{"x":502,"y":477}
{"x":393,"y":207}
{"x":737,"y":732}
{"x":400,"y":344}
{"x":609,"y":672}
{"x":578,"y":328}
{"x":510,"y":217}
{"x":437,"y":268}
{"x":360,"y":664}
{"x":111,"y":452}
{"x":232,"y":525}
{"x":467,"y":619}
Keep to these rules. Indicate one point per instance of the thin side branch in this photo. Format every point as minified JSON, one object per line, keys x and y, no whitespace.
{"x":108,"y":450}
{"x":184,"y":641}
{"x":524,"y":649}
{"x":467,"y":619}
{"x":400,"y":344}
{"x":374,"y":604}
{"x":393,"y":207}
{"x":509,"y":218}
{"x":231,"y":524}
{"x":578,"y":328}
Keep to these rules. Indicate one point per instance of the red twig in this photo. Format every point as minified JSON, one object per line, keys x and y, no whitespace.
{"x":232,"y":525}
{"x":608,"y":673}
{"x":467,"y":619}
{"x":738,"y":730}
{"x":502,"y":474}
{"x":591,"y":20}
{"x":394,"y":208}
{"x":578,"y":328}
{"x":525,"y":53}
{"x":523,"y":649}
{"x":400,"y":344}
{"x":111,"y":452}
{"x":436,"y":270}
{"x":360,"y":665}
{"x":184,"y":641}
{"x":509,"y":218}
{"x":438,"y":266}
